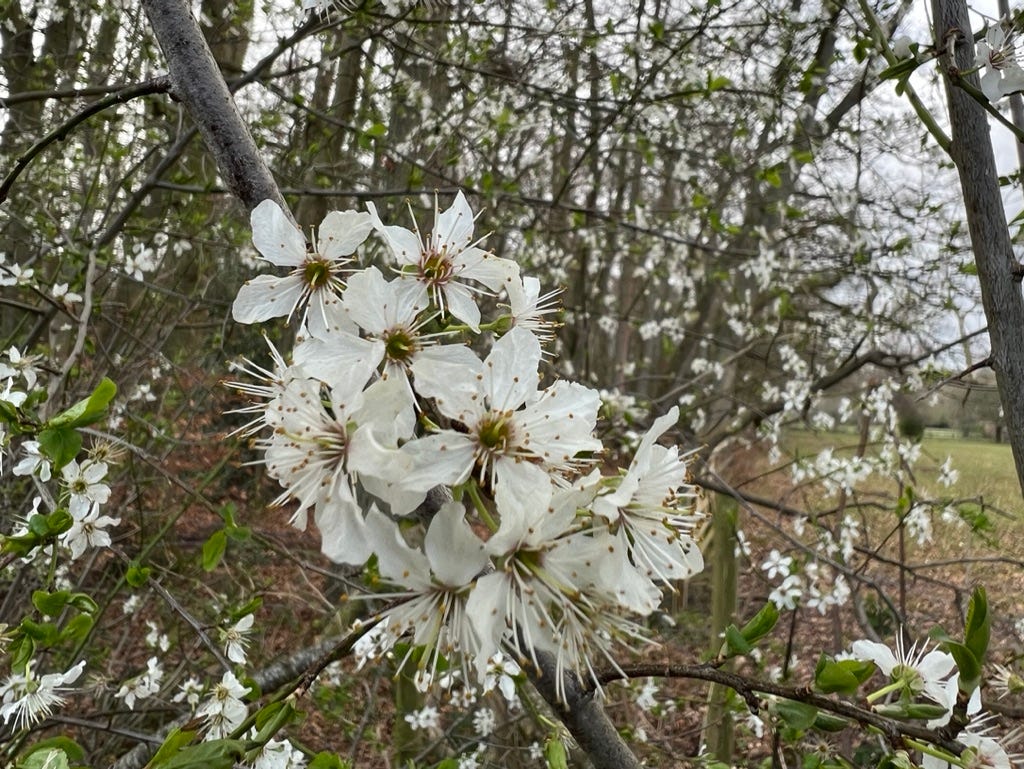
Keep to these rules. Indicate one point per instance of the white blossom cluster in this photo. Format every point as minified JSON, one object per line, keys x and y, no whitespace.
{"x":398,"y":388}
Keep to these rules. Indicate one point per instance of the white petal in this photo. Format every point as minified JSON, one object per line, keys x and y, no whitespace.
{"x":367,"y":300}
{"x":265,"y":297}
{"x":455,"y":553}
{"x":276,"y":238}
{"x":398,"y":563}
{"x":342,"y":358}
{"x":510,"y":371}
{"x":454,"y":225}
{"x":404,"y":244}
{"x":342,"y":232}
{"x":872,"y":651}
{"x":342,"y":531}
{"x":460,"y":303}
{"x":442,"y":458}
{"x":451,"y":381}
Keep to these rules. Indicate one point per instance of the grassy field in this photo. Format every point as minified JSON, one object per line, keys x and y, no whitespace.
{"x":986,"y":469}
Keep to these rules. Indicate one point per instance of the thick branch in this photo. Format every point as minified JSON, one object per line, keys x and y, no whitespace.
{"x":200,"y":85}
{"x":583,"y":716}
{"x":971,"y":150}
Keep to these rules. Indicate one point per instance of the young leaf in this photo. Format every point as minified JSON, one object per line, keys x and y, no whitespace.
{"x":60,"y":444}
{"x":978,"y":625}
{"x":50,"y":604}
{"x":213,"y":550}
{"x":325,"y":760}
{"x":841,"y":676}
{"x":798,"y":715}
{"x":86,"y":411}
{"x":761,"y":624}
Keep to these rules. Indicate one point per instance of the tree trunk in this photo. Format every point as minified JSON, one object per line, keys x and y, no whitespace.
{"x":971,"y":151}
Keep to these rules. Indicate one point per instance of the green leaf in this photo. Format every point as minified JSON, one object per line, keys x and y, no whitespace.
{"x":86,"y":411}
{"x":50,"y":604}
{"x":376,"y":130}
{"x":735,"y":643}
{"x":796,"y":714}
{"x":827,"y":722}
{"x":215,"y":754}
{"x":137,"y":575}
{"x":213,"y":550}
{"x":761,"y":624}
{"x":174,"y":742}
{"x":900,"y":70}
{"x":66,"y":745}
{"x":60,"y":444}
{"x":718,"y":83}
{"x":325,"y":760}
{"x":42,"y":633}
{"x":968,"y":665}
{"x":84,"y":603}
{"x":977,"y":628}
{"x":554,"y":754}
{"x":48,"y":758}
{"x":77,"y":628}
{"x":842,"y":676}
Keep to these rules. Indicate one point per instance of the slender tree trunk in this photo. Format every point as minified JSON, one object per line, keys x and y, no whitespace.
{"x":998,"y":274}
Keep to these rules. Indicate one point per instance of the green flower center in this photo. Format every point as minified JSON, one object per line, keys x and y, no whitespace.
{"x":436,"y":268}
{"x":494,"y":431}
{"x":909,"y":677}
{"x":317,"y":274}
{"x":399,"y":345}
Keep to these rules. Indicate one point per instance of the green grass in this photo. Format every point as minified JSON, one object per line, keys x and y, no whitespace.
{"x":986,"y":469}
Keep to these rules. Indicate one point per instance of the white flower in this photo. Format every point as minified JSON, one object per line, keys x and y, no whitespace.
{"x":425,"y":718}
{"x":189,"y":691}
{"x":235,"y":640}
{"x":1003,"y":75}
{"x":653,"y":504}
{"x":912,"y":673}
{"x":155,"y":639}
{"x":436,"y":583}
{"x":278,"y":754}
{"x":646,"y":700}
{"x":27,"y":698}
{"x":556,"y":590}
{"x":142,"y":686}
{"x":391,"y":324}
{"x":23,"y":364}
{"x":88,"y":530}
{"x":902,"y":47}
{"x":436,"y":267}
{"x":787,"y":595}
{"x":502,"y":672}
{"x":515,"y":435}
{"x":948,"y":475}
{"x":313,"y":446}
{"x":777,"y":565}
{"x":34,"y":462}
{"x":83,"y":482}
{"x":315,"y":278}
{"x":484,"y":722}
{"x":981,"y":750}
{"x":528,"y":308}
{"x":61,"y":294}
{"x":224,"y":711}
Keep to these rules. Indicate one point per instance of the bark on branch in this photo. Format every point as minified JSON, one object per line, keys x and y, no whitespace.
{"x":199,"y":84}
{"x":971,"y":151}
